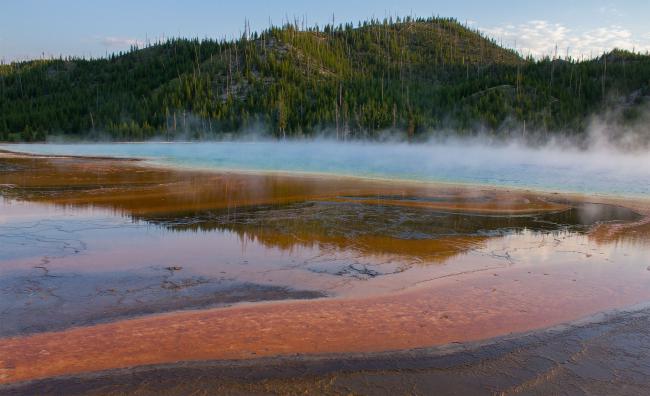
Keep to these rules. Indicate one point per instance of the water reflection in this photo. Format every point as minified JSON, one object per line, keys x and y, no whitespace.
{"x":363,"y":222}
{"x":91,"y":241}
{"x":143,"y":190}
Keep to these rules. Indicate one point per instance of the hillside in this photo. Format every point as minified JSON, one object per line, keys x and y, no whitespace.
{"x":413,"y":76}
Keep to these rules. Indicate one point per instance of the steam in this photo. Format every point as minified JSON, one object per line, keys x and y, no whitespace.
{"x":612,"y":157}
{"x":624,"y":126}
{"x":601,"y":168}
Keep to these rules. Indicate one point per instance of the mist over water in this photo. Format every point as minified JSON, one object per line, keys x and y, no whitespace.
{"x":600,"y":169}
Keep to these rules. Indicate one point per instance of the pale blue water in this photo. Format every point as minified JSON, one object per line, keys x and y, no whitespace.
{"x":598,"y":171}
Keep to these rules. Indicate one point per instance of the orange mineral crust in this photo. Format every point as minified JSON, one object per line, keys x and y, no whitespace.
{"x":127,"y":187}
{"x":453,"y":309}
{"x":389,"y":265}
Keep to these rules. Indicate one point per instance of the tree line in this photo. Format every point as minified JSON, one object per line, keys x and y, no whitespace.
{"x":411,"y":76}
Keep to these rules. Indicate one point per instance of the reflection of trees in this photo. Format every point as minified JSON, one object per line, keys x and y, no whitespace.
{"x":285,"y":212}
{"x":635,"y":233}
{"x":374,"y":229}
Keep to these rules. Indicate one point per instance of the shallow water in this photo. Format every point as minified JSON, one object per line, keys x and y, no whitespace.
{"x":64,"y":266}
{"x":363,"y":265}
{"x":595,"y":171}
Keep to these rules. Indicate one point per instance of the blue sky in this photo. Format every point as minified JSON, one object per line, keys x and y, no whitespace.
{"x":31,"y":28}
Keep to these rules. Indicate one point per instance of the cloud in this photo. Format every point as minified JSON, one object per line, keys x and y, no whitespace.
{"x":116,"y":42}
{"x":610,"y":10}
{"x":540,"y":38}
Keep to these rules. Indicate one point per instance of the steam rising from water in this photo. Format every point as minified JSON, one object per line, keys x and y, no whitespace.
{"x":600,"y":169}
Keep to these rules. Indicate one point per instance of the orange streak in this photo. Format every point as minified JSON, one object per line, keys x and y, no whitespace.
{"x":459,"y":308}
{"x":462,"y":308}
{"x":128,"y":188}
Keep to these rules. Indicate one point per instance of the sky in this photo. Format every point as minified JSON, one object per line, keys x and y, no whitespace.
{"x":93,"y":28}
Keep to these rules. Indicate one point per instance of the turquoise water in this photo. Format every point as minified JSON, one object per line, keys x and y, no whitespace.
{"x":599,"y":171}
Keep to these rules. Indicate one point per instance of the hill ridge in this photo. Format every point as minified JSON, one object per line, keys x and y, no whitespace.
{"x":411,"y":75}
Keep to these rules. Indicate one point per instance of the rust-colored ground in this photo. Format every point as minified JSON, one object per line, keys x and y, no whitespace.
{"x":131,"y":189}
{"x":463,"y":308}
{"x":469,"y":306}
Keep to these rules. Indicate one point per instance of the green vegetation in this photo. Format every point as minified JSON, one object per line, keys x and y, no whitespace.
{"x":409,"y":75}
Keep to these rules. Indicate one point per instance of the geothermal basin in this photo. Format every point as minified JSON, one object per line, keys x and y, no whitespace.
{"x":121,"y":263}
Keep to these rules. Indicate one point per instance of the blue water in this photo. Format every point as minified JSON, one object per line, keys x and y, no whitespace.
{"x":599,"y":171}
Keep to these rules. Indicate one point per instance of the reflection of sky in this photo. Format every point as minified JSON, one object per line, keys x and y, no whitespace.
{"x":86,"y":240}
{"x":33,"y":231}
{"x":596,"y":171}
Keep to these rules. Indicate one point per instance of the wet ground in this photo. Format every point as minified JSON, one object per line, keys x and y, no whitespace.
{"x":606,"y":355}
{"x":94,"y":250}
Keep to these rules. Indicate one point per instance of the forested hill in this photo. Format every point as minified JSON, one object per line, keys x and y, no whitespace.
{"x":411,"y":75}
